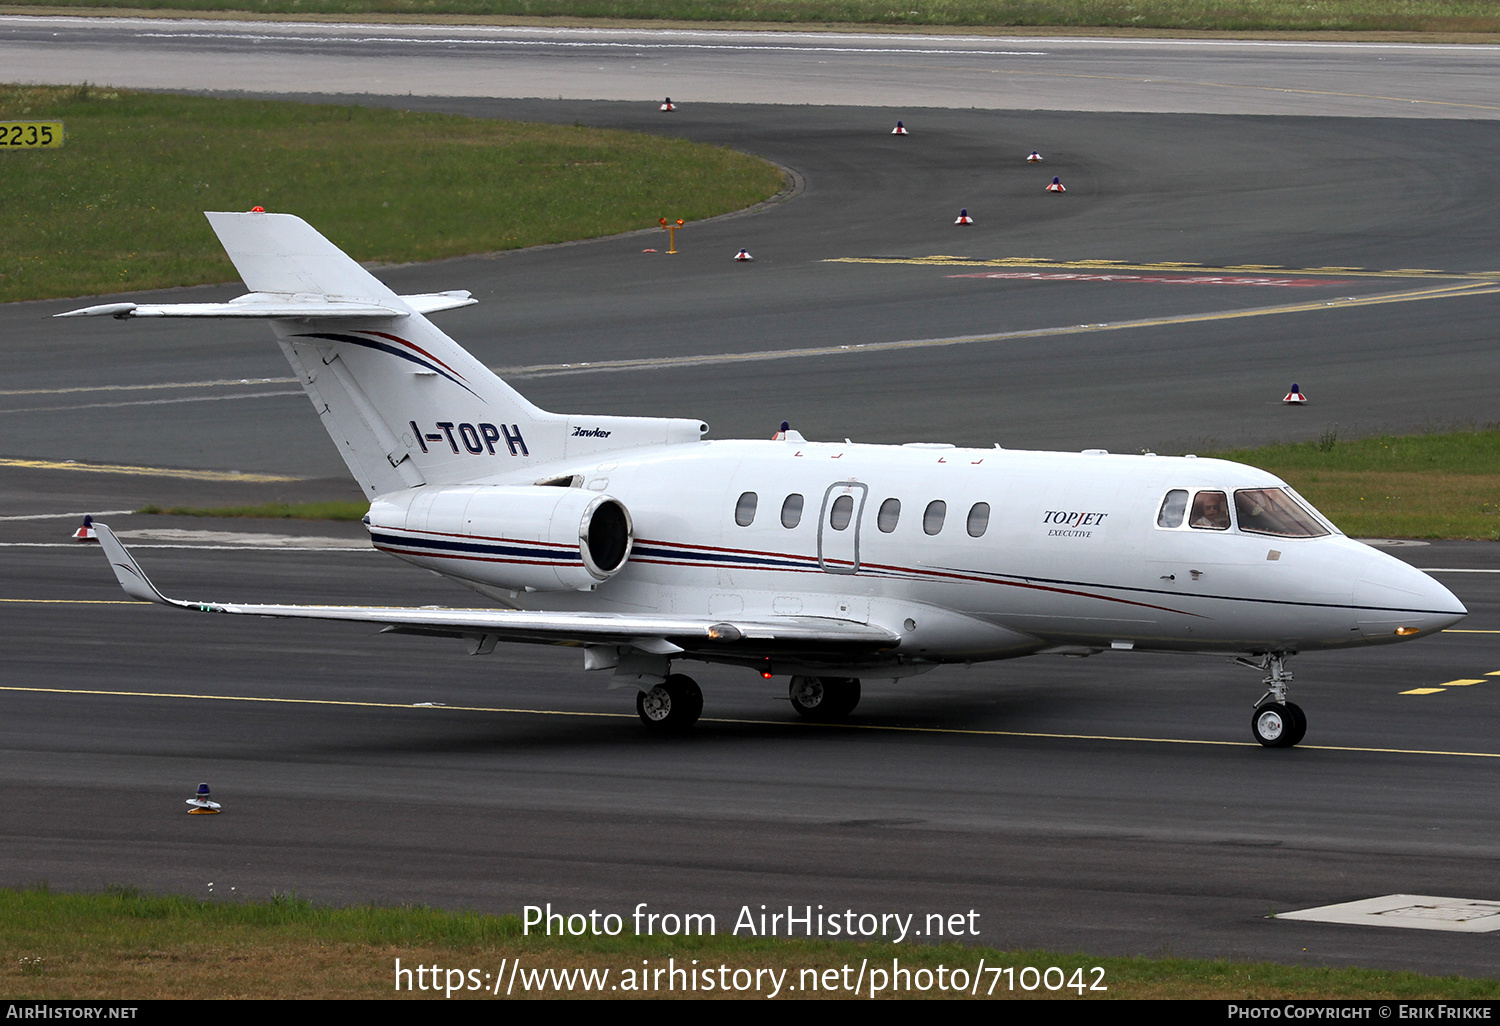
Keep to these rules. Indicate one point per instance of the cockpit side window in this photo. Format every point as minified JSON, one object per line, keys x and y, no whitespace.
{"x":1210,"y":511}
{"x":1273,"y":511}
{"x":1172,"y":508}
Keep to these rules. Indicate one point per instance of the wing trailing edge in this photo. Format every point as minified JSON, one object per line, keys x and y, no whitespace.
{"x":736,"y":636}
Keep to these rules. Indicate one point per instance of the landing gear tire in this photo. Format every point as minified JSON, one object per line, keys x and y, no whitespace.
{"x":824,"y":699}
{"x":672,"y":707}
{"x":1299,"y":723}
{"x":1278,"y":726}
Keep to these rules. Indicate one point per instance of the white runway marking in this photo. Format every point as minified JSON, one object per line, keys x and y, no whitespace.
{"x":1411,"y":911}
{"x":70,"y":516}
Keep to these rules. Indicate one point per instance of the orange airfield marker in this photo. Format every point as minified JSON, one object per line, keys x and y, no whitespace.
{"x":671,"y":234}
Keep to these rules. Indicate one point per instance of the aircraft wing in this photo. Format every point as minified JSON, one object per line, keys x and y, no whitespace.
{"x":281,"y":306}
{"x":659,"y":635}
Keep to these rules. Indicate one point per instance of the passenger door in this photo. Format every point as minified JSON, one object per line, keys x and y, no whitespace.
{"x":838,"y":527}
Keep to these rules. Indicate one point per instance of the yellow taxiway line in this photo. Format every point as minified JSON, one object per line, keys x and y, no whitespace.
{"x":1185,"y":83}
{"x":119,"y":468}
{"x":1263,"y":270}
{"x":742,"y":722}
{"x":1451,"y":291}
{"x":227,"y":382}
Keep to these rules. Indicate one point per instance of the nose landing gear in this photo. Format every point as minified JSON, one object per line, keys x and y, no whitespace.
{"x":1276,"y":723}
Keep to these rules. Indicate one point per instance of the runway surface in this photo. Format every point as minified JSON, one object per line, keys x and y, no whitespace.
{"x":1111,"y":805}
{"x":1022,"y":73}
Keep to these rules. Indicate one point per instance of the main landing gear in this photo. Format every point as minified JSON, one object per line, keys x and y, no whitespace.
{"x":1276,"y":723}
{"x":824,"y":698}
{"x":672,"y":707}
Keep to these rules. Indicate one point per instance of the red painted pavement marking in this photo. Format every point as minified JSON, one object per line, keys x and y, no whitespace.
{"x":1202,"y":279}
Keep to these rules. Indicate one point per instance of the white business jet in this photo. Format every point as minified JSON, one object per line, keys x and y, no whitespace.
{"x":646,"y":546}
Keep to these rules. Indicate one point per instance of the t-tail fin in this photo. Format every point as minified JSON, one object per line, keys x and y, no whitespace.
{"x":405,"y":404}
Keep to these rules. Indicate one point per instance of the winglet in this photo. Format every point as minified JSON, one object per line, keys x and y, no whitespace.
{"x":131,"y":577}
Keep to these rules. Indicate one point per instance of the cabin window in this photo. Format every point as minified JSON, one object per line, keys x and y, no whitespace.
{"x":979,"y":519}
{"x":1273,"y":511}
{"x":841,"y":512}
{"x":932,"y":517}
{"x":744,"y":510}
{"x":890,"y":512}
{"x":1210,"y":511}
{"x":791,"y":511}
{"x":1172,"y":508}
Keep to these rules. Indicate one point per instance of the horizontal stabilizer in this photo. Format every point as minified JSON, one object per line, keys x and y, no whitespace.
{"x":262,"y":304}
{"x":686,"y":633}
{"x":284,"y":254}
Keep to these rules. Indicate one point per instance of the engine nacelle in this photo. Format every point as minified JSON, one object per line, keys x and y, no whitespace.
{"x":520,"y":537}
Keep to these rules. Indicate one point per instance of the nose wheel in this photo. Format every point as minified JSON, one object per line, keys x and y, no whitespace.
{"x":824,"y":698}
{"x":1278,"y":726}
{"x":1276,"y":723}
{"x":672,"y":707}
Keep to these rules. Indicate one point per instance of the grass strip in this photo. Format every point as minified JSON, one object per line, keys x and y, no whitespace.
{"x":1414,"y":486}
{"x":1424,"y":16}
{"x":119,"y":206}
{"x":270,"y":511}
{"x":126,"y":945}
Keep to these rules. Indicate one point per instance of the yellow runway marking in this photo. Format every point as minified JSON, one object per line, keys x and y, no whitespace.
{"x":81,"y":602}
{"x":113,"y":468}
{"x":1460,"y":683}
{"x":1188,"y":84}
{"x":943,"y":260}
{"x":742,"y":722}
{"x":1450,"y":630}
{"x":228,"y":382}
{"x":546,"y":370}
{"x":1422,"y":691}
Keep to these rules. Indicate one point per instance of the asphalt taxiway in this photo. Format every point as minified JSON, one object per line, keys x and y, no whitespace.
{"x":1110,"y":805}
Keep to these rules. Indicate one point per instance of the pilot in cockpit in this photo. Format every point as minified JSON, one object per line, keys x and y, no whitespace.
{"x":1211,"y":510}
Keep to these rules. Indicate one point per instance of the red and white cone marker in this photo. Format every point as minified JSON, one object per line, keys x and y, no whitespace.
{"x":1295,"y":396}
{"x":743,"y":256}
{"x":963,"y":217}
{"x":1035,"y":158}
{"x":667,"y":104}
{"x":1056,"y":186}
{"x":86,"y":533}
{"x":900,"y":129}
{"x":201,"y":806}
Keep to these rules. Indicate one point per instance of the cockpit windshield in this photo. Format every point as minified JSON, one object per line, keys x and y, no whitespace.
{"x":1273,"y":511}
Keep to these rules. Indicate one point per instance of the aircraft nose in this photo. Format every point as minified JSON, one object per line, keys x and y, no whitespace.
{"x":1394,"y":600}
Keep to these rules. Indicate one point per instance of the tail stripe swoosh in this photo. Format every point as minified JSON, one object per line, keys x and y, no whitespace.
{"x":384,"y":347}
